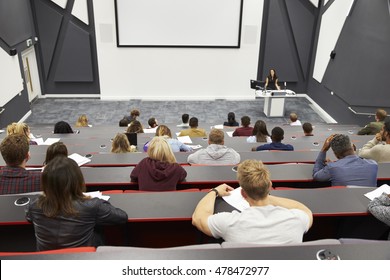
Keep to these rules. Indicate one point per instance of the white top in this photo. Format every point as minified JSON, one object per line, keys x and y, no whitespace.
{"x":296,"y":123}
{"x":262,"y":225}
{"x":252,"y":139}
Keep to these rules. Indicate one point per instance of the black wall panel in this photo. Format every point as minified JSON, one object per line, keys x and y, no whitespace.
{"x":67,"y":49}
{"x":359,"y":72}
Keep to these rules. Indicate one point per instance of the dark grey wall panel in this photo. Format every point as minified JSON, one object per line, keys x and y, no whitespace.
{"x":287,"y":38}
{"x":48,"y":25}
{"x":75,"y":62}
{"x":15,"y":21}
{"x":69,"y":49}
{"x":15,"y":109}
{"x":360,"y":71}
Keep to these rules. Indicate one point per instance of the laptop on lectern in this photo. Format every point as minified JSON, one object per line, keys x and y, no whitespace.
{"x":257,"y":85}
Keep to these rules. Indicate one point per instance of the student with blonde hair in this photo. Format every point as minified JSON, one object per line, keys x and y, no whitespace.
{"x":20,"y":128}
{"x":176,"y":145}
{"x":121,"y":144}
{"x":159,"y":171}
{"x":82,"y":121}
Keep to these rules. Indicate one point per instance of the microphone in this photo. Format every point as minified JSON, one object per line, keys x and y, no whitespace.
{"x":285,"y":85}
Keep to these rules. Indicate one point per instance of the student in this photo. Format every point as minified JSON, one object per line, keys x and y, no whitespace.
{"x":159,"y":171}
{"x":135,"y":127}
{"x":374,"y":127}
{"x":176,"y":145}
{"x":378,"y":148}
{"x":21,"y":128}
{"x":268,"y":220}
{"x":184,"y":121}
{"x":193,"y":131}
{"x":307,"y":129}
{"x":245,"y":129}
{"x":55,"y":150}
{"x":152,"y":122}
{"x":134,"y":114}
{"x":231,"y":120}
{"x":63,"y":216}
{"x":82,"y":121}
{"x":216,"y":152}
{"x":124,"y":122}
{"x":62,"y":127}
{"x":120,"y":144}
{"x":294,"y":120}
{"x":277,"y":135}
{"x":349,"y":169}
{"x":14,"y":178}
{"x":379,"y":207}
{"x":260,"y":133}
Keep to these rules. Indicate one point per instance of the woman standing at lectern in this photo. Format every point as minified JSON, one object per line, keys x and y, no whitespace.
{"x":271,"y":82}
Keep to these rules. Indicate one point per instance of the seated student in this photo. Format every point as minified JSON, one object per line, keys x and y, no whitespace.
{"x":193,"y":131}
{"x":374,"y":127}
{"x":277,"y":135}
{"x":378,"y":148}
{"x":349,"y":169}
{"x":63,"y":216}
{"x":245,"y":129}
{"x":159,"y":171}
{"x":120,"y":144}
{"x":55,"y":150}
{"x":62,"y":127}
{"x":124,"y":122}
{"x":307,"y":129}
{"x":294,"y":120}
{"x":135,"y":127}
{"x":21,"y":128}
{"x":134,"y":114}
{"x":216,"y":152}
{"x":379,"y":207}
{"x":268,"y":220}
{"x":176,"y":145}
{"x":231,"y":120}
{"x":260,"y":133}
{"x":152,"y":122}
{"x":14,"y":178}
{"x":184,"y":121}
{"x":82,"y":121}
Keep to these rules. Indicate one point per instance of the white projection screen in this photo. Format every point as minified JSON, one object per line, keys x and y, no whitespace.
{"x":178,"y":23}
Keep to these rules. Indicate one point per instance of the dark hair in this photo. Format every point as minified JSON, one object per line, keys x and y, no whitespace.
{"x":14,"y":149}
{"x":386,"y":127}
{"x":245,"y":121}
{"x":193,"y":122}
{"x":54,"y":150}
{"x":231,"y":118}
{"x":152,"y":122}
{"x":260,"y":131}
{"x":277,"y":134}
{"x":341,"y":145}
{"x":124,"y":122}
{"x":136,"y":127}
{"x":62,"y":184}
{"x":134,"y":113}
{"x":184,"y":118}
{"x":62,"y":127}
{"x":269,"y":74}
{"x":307,"y":127}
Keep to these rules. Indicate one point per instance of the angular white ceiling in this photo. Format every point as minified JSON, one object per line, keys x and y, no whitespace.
{"x":80,"y":10}
{"x":61,"y":3}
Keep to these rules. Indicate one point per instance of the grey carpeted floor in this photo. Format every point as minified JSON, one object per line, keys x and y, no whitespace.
{"x":51,"y":110}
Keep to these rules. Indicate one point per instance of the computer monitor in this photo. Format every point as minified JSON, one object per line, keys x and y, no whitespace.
{"x":257,"y":85}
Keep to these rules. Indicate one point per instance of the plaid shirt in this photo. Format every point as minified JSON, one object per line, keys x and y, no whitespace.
{"x":19,"y":180}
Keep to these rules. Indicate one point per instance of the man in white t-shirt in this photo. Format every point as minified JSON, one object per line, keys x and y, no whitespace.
{"x":268,"y":220}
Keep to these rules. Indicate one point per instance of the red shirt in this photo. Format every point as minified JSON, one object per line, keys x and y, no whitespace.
{"x":243,"y":131}
{"x":19,"y":180}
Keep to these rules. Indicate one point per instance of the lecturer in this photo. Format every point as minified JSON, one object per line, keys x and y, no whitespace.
{"x":271,"y":82}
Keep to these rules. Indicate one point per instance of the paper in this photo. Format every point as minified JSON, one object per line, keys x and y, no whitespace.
{"x":79,"y":159}
{"x":194,"y":147}
{"x":218,"y":126}
{"x":185,"y":139}
{"x":50,"y":141}
{"x":378,"y":192}
{"x":150,"y":130}
{"x":97,"y":194}
{"x":229,"y":133}
{"x":236,"y":200}
{"x":39,"y":141}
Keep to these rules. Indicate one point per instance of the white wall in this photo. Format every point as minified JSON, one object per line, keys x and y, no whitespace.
{"x":11,"y":82}
{"x":177,"y":73}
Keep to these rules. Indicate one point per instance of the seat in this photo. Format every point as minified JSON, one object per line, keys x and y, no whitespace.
{"x":112,"y":192}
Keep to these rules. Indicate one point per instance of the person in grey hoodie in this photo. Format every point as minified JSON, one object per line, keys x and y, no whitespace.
{"x":216,"y":153}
